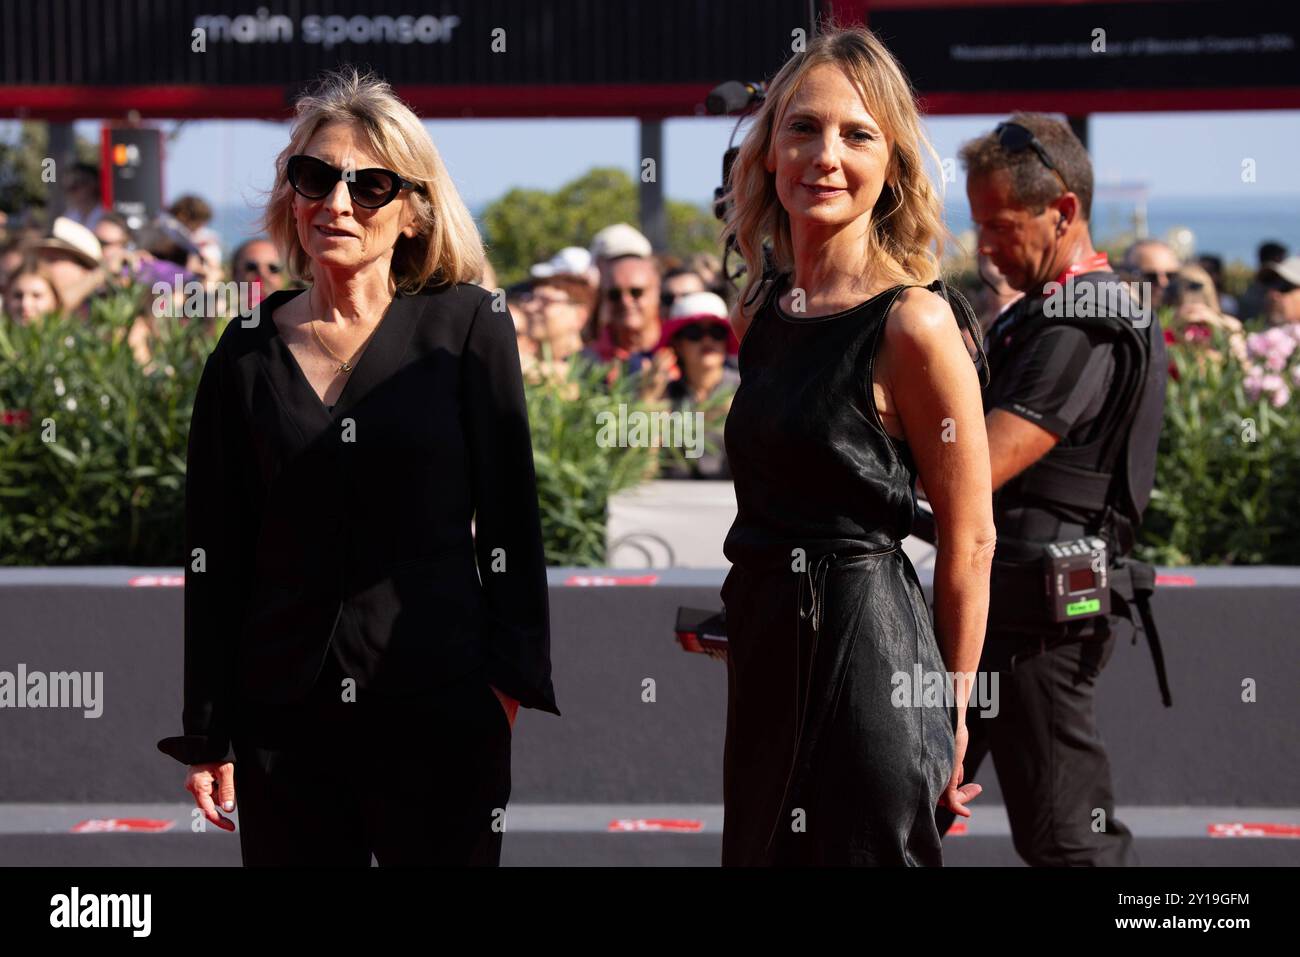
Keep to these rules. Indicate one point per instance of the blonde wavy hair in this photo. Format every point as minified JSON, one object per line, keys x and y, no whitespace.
{"x":447,"y":247}
{"x":906,"y":241}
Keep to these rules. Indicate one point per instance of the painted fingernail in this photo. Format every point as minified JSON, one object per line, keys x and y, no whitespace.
{"x":229,"y":805}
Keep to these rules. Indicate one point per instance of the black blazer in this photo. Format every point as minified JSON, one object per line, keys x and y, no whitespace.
{"x":351,"y":527}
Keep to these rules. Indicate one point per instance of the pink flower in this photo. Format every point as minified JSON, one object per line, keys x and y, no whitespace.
{"x":1279,"y":340}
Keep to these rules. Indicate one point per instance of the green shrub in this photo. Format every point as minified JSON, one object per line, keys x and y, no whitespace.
{"x":1228,"y":475}
{"x":575,"y":475}
{"x":92,"y":451}
{"x":95,"y":473}
{"x":92,"y":461}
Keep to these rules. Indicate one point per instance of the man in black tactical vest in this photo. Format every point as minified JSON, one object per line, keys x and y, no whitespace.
{"x":1073,"y":412}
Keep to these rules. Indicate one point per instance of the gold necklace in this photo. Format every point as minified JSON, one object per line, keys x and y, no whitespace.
{"x":345,"y":365}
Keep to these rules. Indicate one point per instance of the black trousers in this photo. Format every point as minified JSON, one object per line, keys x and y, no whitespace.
{"x":422,"y":780}
{"x":1050,"y":761}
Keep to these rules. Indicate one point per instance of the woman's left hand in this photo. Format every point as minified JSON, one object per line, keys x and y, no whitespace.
{"x":957,"y":794}
{"x":509,"y":703}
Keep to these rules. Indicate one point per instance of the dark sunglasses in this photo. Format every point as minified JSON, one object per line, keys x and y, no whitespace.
{"x":696,"y":331}
{"x":273,"y":268}
{"x":369,"y":188}
{"x":1014,"y":138}
{"x":1280,"y":285}
{"x":1155,"y":277}
{"x":1179,"y":286}
{"x":615,"y":294}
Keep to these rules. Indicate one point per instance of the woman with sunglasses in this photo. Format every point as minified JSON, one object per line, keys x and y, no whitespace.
{"x":365,"y":599}
{"x":699,"y":334}
{"x":853,"y":382}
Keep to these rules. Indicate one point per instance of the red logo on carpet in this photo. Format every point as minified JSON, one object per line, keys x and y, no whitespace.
{"x":588,"y":581}
{"x":157,"y":581}
{"x":106,"y":825}
{"x":1239,"y":829}
{"x":638,"y":824}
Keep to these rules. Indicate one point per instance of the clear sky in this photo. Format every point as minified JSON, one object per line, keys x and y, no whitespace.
{"x":1175,"y":154}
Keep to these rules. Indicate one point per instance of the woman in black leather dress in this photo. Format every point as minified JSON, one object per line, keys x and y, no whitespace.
{"x":856,"y":378}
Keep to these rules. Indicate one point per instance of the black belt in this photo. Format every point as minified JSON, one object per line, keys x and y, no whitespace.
{"x":815,"y":576}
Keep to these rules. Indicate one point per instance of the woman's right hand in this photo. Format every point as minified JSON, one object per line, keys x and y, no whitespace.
{"x":206,"y":781}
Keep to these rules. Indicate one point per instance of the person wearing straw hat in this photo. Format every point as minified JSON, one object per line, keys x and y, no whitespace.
{"x":74,"y":258}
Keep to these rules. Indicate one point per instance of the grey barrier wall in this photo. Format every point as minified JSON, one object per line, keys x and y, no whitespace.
{"x":1223,"y":630}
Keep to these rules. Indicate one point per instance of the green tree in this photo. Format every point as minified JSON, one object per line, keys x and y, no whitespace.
{"x":21,"y":165}
{"x":526,"y":226}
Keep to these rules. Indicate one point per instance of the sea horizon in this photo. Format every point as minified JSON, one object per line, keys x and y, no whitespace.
{"x":1228,"y":226}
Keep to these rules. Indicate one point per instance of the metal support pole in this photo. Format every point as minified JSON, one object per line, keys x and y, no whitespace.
{"x":654,"y":218}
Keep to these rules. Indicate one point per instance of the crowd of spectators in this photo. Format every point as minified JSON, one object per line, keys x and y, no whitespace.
{"x":659,"y":319}
{"x":63,"y":264}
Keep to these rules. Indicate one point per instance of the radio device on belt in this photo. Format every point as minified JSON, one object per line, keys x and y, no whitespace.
{"x":1077,"y":579}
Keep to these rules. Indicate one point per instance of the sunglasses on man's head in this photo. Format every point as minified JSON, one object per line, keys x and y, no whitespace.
{"x":614,"y":294}
{"x":1014,"y":138}
{"x":1280,"y":285}
{"x":696,"y":331}
{"x":369,"y":188}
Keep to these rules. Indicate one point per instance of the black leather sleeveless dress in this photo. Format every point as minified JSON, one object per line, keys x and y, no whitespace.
{"x":824,"y":608}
